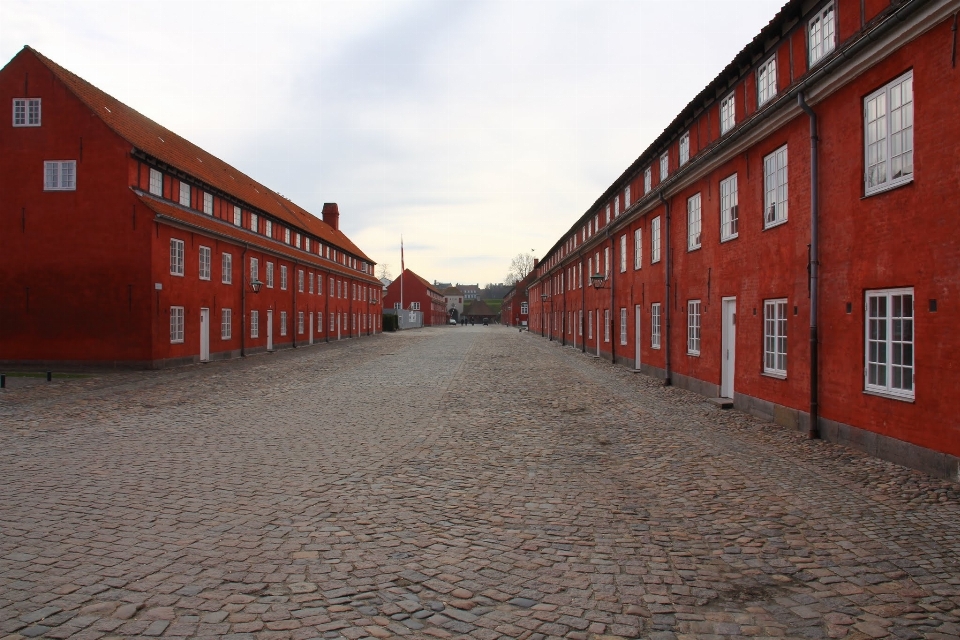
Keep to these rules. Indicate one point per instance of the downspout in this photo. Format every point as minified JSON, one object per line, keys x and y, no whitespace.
{"x":563,"y":317}
{"x":583,"y":301}
{"x":668,"y":377}
{"x":295,"y":325}
{"x":243,"y":303}
{"x":814,"y":265}
{"x":326,"y":311}
{"x":613,"y":338}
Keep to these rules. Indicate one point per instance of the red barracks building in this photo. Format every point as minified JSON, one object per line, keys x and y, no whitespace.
{"x":418,"y":295}
{"x":787,"y":245}
{"x":121,"y":243}
{"x":515,"y":311}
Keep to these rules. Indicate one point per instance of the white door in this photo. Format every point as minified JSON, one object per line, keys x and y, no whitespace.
{"x":729,"y":341}
{"x":311,"y":326}
{"x":269,"y":330}
{"x":636,"y":333}
{"x":204,"y":335}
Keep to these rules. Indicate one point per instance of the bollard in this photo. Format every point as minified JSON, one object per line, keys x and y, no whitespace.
{"x":49,"y":376}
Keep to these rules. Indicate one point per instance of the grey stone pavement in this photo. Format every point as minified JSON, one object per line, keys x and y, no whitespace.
{"x":458,"y":482}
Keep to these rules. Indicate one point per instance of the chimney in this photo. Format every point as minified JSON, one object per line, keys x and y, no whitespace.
{"x":331,"y":215}
{"x":535,"y":263}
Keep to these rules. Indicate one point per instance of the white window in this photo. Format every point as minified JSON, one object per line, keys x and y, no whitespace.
{"x":655,"y":325}
{"x":176,"y":257}
{"x":237,"y":216}
{"x":331,"y":288}
{"x":664,"y":165}
{"x":693,"y":327}
{"x":626,"y":198}
{"x":684,"y":148}
{"x":655,"y":240}
{"x":338,"y":288}
{"x":766,"y":81}
{"x":254,"y":324}
{"x":729,"y":218}
{"x":608,"y":214}
{"x":693,"y":222}
{"x":647,"y":180}
{"x":415,"y":306}
{"x":254,"y":270}
{"x":889,"y":348}
{"x":606,"y":325}
{"x":580,"y":323}
{"x":270,"y":275}
{"x":775,"y":337}
{"x":775,"y":187}
{"x":184,"y":194}
{"x":310,"y":283}
{"x":226,"y":324}
{"x":226,"y":268}
{"x":616,"y":206}
{"x":728,"y":113}
{"x":623,"y":325}
{"x":306,"y":244}
{"x":254,"y":223}
{"x":606,"y":262}
{"x":333,"y":317}
{"x":60,"y":175}
{"x":590,"y":326}
{"x":296,"y":240}
{"x":26,"y":112}
{"x":524,"y":308}
{"x":176,"y":325}
{"x":156,"y":183}
{"x":283,"y":323}
{"x":888,"y":135}
{"x":637,"y":248}
{"x":590,"y":270}
{"x":319,"y":285}
{"x":204,"y":263}
{"x":283,"y":277}
{"x":319,"y":321}
{"x":396,"y":305}
{"x":286,"y":236}
{"x":300,"y":322}
{"x":268,"y":228}
{"x":821,"y":29}
{"x":623,"y":253}
{"x":300,"y":280}
{"x":596,"y":222}
{"x":580,"y":275}
{"x":208,"y":204}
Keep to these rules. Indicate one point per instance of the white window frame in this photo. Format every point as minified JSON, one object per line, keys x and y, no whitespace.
{"x":208,"y":203}
{"x":623,"y":325}
{"x":882,"y":331}
{"x":524,"y":308}
{"x":299,"y":280}
{"x":693,"y":327}
{"x":664,"y":165}
{"x":655,"y":325}
{"x":775,"y":188}
{"x":283,"y":277}
{"x":319,"y":321}
{"x":580,"y":323}
{"x":606,"y":325}
{"x":821,"y":35}
{"x":176,"y":257}
{"x":60,"y":175}
{"x":226,"y":268}
{"x":655,"y":240}
{"x":882,"y":142}
{"x":254,"y":269}
{"x":269,"y":282}
{"x":637,"y":248}
{"x":184,"y":199}
{"x":623,"y":253}
{"x":300,"y":319}
{"x":156,"y":183}
{"x":580,"y":275}
{"x":729,"y":209}
{"x":283,"y":323}
{"x":590,"y":326}
{"x":694,"y":222}
{"x":608,"y":214}
{"x":767,"y":81}
{"x":176,"y":325}
{"x":204,"y":263}
{"x":268,"y":228}
{"x":23,"y":107}
{"x":606,"y":262}
{"x":310,"y":282}
{"x":226,"y":324}
{"x":647,"y":180}
{"x":415,"y":306}
{"x":286,"y":235}
{"x":626,"y":198}
{"x":684,"y":148}
{"x":775,"y":337}
{"x":254,"y":323}
{"x":728,"y":113}
{"x":616,"y":206}
{"x":237,"y":216}
{"x":254,"y":223}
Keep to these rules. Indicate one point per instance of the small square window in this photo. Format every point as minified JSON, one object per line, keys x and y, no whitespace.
{"x":60,"y":175}
{"x":26,"y":112}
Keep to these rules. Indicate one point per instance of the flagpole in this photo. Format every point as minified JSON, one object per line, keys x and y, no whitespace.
{"x":401,"y":273}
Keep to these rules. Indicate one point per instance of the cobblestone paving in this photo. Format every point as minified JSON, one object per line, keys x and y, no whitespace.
{"x":459,"y":482}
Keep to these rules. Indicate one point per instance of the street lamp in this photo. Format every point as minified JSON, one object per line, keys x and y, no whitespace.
{"x":597,"y":280}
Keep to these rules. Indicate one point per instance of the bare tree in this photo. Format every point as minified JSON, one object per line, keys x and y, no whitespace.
{"x":520,"y":266}
{"x":383,"y":271}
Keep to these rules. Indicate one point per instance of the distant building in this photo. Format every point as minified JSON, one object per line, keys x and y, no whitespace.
{"x":470,"y":291}
{"x":417,"y":295}
{"x":454,"y":300}
{"x":478,"y":311}
{"x":516,"y":307}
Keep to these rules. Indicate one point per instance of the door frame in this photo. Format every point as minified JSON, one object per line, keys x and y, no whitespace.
{"x":728,"y":346}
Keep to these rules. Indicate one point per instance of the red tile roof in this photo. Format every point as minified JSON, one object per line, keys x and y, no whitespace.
{"x":159,"y":142}
{"x":176,"y":213}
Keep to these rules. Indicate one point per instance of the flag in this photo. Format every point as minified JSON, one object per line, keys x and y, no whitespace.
{"x":401,"y":255}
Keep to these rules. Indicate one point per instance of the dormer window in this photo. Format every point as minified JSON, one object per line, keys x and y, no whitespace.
{"x":26,"y":112}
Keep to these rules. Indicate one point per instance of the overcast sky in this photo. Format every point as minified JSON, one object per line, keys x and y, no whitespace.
{"x":477,"y":129}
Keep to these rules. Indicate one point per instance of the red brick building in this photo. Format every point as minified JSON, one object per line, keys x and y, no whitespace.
{"x":798,"y":275}
{"x":515,"y":311}
{"x":122,"y":243}
{"x":418,"y":295}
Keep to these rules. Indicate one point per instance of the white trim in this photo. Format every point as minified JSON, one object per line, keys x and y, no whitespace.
{"x":775,"y":332}
{"x":729,"y":209}
{"x":776,"y":183}
{"x":880,"y":147}
{"x":767,"y":81}
{"x":176,"y":325}
{"x":886,"y":330}
{"x":728,"y":113}
{"x":694,"y":308}
{"x":204,"y":263}
{"x":823,"y":27}
{"x":176,"y":257}
{"x":226,"y":268}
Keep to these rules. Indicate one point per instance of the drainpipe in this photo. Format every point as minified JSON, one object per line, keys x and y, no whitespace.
{"x":613,"y":338}
{"x":668,"y":378}
{"x":326,"y":310}
{"x":294,"y":325}
{"x":583,"y":301}
{"x":814,"y":265}
{"x":243,"y":303}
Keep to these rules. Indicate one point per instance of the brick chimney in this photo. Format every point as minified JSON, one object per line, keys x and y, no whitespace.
{"x":331,"y":214}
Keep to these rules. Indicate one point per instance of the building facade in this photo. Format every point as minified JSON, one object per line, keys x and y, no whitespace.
{"x":784,"y":243}
{"x":515,"y":311}
{"x":454,"y":302}
{"x":410,"y":292}
{"x":124,"y":244}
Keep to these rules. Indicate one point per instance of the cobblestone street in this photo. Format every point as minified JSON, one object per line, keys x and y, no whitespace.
{"x":419,"y":484}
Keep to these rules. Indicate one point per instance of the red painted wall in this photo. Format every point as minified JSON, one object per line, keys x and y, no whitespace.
{"x":432,"y":303}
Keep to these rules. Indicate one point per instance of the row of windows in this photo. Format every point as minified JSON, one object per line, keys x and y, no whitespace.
{"x":226,"y":323}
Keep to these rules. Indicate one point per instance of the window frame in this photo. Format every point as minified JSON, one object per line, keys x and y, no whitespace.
{"x":638,"y":248}
{"x":684,"y":148}
{"x":58,"y":184}
{"x":694,"y":318}
{"x":27,"y":104}
{"x":176,"y":257}
{"x":203,"y":267}
{"x":254,"y":269}
{"x":176,"y":325}
{"x":647,"y":180}
{"x":606,"y":325}
{"x":269,"y":281}
{"x":237,"y":216}
{"x":283,"y":277}
{"x":825,"y":46}
{"x":889,"y":182}
{"x":254,"y":323}
{"x":185,"y":194}
{"x":775,"y":335}
{"x":226,"y":268}
{"x":226,"y":324}
{"x":728,"y":116}
{"x":623,"y":326}
{"x":155,"y":184}
{"x":655,"y":335}
{"x":888,"y":390}
{"x":655,"y":240}
{"x":208,"y":203}
{"x":767,"y":92}
{"x":694,"y":222}
{"x":774,"y":158}
{"x":623,"y":253}
{"x":664,"y":165}
{"x":283,"y":323}
{"x":729,"y":203}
